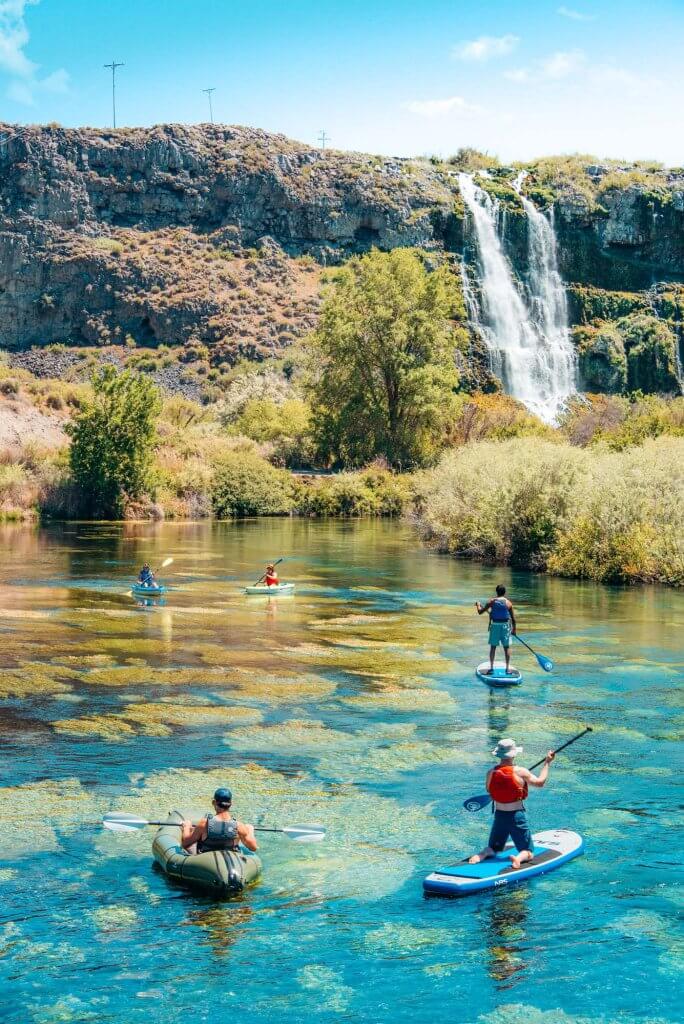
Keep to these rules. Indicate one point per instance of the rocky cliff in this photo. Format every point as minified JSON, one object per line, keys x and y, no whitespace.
{"x":217,"y":235}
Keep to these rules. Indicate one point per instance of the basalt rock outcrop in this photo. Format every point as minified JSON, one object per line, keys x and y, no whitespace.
{"x":218,"y":235}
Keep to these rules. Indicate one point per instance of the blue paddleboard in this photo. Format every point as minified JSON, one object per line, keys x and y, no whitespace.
{"x":552,"y":849}
{"x":498,"y":676}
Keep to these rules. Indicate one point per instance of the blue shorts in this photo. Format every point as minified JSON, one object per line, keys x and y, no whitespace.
{"x":513,"y":824}
{"x":500,"y":633}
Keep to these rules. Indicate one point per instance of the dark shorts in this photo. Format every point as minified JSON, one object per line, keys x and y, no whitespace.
{"x":513,"y":824}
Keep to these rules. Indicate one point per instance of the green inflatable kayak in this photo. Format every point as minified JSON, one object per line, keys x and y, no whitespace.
{"x":224,"y":874}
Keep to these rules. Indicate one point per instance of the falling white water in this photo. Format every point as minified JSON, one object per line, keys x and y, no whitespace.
{"x":526,"y":331}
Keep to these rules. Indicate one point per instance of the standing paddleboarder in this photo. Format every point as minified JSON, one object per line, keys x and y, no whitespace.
{"x":502,"y":626}
{"x":507,"y":784}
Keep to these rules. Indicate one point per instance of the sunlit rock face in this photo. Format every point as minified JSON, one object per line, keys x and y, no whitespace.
{"x":182,"y":234}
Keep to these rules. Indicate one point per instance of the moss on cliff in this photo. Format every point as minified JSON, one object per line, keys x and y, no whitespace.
{"x":602,"y":358}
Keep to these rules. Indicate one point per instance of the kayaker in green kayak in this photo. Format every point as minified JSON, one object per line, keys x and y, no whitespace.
{"x":502,"y":626}
{"x":219,"y":831}
{"x":507,"y":784}
{"x":146,"y":577}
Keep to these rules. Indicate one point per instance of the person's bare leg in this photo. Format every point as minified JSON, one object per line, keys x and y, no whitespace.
{"x":507,"y":656}
{"x":517,"y":859}
{"x":492,"y":655}
{"x":482,"y":855}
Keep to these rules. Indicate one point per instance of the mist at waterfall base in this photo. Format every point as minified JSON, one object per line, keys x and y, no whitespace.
{"x":523,"y":324}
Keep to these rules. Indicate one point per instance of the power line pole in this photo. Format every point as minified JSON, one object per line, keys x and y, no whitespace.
{"x":211,"y":109}
{"x":323,"y":138}
{"x":114,"y":66}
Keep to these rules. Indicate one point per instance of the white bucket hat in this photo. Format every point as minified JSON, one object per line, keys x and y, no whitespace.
{"x":506,"y":748}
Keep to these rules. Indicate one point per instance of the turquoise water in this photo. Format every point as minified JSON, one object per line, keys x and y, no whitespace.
{"x":354,"y":704}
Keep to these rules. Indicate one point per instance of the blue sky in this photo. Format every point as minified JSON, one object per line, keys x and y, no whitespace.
{"x":385,"y":76}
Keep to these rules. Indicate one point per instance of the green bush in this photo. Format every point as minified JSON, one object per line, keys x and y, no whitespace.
{"x":372,"y":492}
{"x":610,"y":516}
{"x":247,"y":485}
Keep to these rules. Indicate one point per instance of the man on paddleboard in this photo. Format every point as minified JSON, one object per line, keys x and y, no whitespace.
{"x":219,"y":831}
{"x":502,"y":626}
{"x":507,"y":784}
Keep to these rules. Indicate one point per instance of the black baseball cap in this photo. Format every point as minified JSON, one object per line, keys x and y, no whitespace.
{"x":223,"y":795}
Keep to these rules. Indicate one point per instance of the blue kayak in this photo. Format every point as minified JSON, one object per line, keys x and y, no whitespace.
{"x":552,"y":849}
{"x":499,"y":676}
{"x":141,"y":590}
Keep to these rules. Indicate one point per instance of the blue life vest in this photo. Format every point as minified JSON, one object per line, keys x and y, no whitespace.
{"x":221,"y":835}
{"x":499,"y":610}
{"x":146,"y":576}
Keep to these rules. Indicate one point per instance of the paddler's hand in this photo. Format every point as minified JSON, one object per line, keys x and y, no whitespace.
{"x":478,"y":606}
{"x":550,"y":756}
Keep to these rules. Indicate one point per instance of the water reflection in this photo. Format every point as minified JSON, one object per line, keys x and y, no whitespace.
{"x":223,"y":924}
{"x":504,"y":919}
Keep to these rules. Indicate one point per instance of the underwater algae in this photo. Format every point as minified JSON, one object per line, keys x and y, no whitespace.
{"x":150,"y":719}
{"x":406,"y":697}
{"x":384,"y":748}
{"x":47,"y":806}
{"x":36,"y":679}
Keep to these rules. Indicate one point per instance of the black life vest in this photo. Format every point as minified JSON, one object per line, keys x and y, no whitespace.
{"x":221,"y":835}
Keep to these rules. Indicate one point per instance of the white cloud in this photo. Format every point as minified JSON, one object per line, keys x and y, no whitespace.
{"x":518,"y":75}
{"x":609,"y":74}
{"x":439,"y":108}
{"x":485,"y":47}
{"x":562,"y":64}
{"x":568,"y":12}
{"x":22,"y":72}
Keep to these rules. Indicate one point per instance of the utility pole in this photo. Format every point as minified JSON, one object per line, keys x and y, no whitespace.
{"x":323,"y":138}
{"x":211,"y":109}
{"x":114,"y":66}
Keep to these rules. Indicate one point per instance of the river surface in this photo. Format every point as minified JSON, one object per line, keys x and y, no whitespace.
{"x":352,"y":704}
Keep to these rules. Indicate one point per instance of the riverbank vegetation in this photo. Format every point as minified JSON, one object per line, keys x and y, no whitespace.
{"x":372,"y":417}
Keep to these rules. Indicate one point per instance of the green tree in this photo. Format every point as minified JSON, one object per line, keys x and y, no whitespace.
{"x":383,"y":373}
{"x":247,"y":485}
{"x":113,"y":439}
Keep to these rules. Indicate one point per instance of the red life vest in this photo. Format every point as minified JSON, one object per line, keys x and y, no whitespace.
{"x":504,"y":785}
{"x":271,"y":579}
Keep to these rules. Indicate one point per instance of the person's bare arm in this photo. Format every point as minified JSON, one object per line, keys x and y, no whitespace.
{"x":538,"y":781}
{"x":247,"y":837}
{"x":514,"y":624}
{"x":482,"y":608}
{"x":191,"y":834}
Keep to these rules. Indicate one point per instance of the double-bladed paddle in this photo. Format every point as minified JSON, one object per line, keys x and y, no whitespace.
{"x":476,"y":803}
{"x":120,"y":821}
{"x":545,"y":663}
{"x":264,"y":575}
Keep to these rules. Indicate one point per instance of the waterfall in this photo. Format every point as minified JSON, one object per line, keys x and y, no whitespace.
{"x":525,"y":327}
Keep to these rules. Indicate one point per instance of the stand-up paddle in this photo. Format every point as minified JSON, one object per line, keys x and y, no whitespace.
{"x":545,"y":663}
{"x":476,"y":803}
{"x":120,"y":821}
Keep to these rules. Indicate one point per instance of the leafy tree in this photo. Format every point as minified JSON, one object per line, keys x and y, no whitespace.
{"x":383,"y":371}
{"x":113,"y":439}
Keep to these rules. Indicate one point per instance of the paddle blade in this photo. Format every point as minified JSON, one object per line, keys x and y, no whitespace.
{"x":476,"y":803}
{"x":166,"y":563}
{"x":305,"y":833}
{"x":119,"y":821}
{"x":545,"y":663}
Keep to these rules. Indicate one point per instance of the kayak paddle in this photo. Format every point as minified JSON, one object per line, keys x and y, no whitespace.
{"x":545,"y":663}
{"x":264,"y":575}
{"x":120,"y":821}
{"x":476,"y":803}
{"x":165,"y":563}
